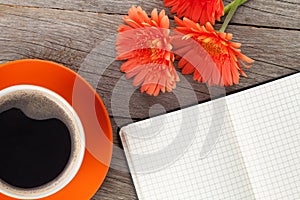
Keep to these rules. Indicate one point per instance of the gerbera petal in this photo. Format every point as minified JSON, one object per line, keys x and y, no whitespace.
{"x":178,"y":21}
{"x":162,"y":82}
{"x":244,"y":57}
{"x":188,"y":68}
{"x":133,"y":23}
{"x":209,"y":27}
{"x":189,"y":23}
{"x":124,"y":28}
{"x":229,"y":36}
{"x":139,"y":78}
{"x":133,"y":71}
{"x":125,"y":56}
{"x":162,"y":14}
{"x":199,"y":10}
{"x":128,"y":65}
{"x":235,"y":44}
{"x":152,"y":85}
{"x":226,"y":74}
{"x":165,"y":23}
{"x":196,"y":13}
{"x":154,"y":15}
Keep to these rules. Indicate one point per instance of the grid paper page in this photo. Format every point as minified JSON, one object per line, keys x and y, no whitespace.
{"x":267,"y":123}
{"x":160,"y":171}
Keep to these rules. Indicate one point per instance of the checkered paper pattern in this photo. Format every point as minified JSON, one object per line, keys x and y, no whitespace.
{"x":257,"y":155}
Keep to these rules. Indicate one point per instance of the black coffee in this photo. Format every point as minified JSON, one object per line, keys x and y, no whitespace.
{"x":32,"y":152}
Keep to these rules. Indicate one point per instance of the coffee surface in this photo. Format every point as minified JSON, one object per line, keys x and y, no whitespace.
{"x":32,"y":152}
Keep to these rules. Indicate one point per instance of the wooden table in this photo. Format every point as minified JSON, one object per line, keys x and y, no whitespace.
{"x":68,"y":31}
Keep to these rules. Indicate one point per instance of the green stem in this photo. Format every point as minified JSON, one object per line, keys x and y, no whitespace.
{"x":235,"y":5}
{"x":229,"y":6}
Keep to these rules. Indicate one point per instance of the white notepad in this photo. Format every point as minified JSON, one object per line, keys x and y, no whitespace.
{"x":256,"y":156}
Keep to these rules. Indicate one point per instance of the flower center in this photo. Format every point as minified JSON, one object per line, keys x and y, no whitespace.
{"x":155,"y":49}
{"x":155,"y":54}
{"x":212,"y":48}
{"x":154,"y":46}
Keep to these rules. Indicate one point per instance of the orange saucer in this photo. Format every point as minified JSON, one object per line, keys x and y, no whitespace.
{"x":90,"y":110}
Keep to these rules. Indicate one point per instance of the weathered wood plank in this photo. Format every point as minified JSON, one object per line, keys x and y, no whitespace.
{"x":270,"y":13}
{"x":118,"y":183}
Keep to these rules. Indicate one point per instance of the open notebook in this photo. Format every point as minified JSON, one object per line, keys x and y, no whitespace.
{"x":254,"y":153}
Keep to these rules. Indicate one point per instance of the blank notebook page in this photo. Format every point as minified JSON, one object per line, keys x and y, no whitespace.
{"x":164,"y":152}
{"x":266,"y":120}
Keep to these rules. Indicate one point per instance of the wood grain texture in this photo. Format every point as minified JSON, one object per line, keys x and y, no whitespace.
{"x":269,"y":13}
{"x":80,"y":35}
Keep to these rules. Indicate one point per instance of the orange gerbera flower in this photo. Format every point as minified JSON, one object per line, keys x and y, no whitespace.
{"x":208,"y":54}
{"x":145,"y":44}
{"x":198,"y":10}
